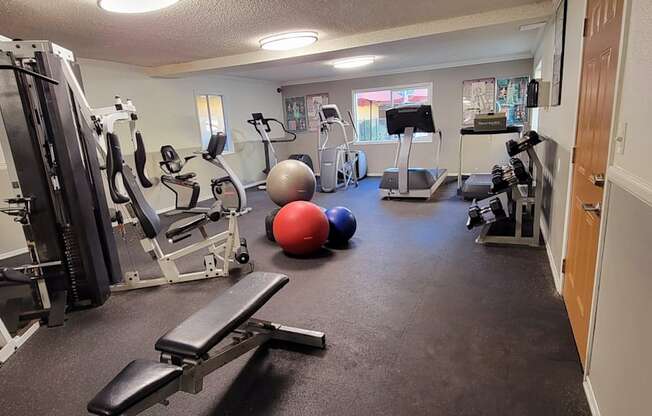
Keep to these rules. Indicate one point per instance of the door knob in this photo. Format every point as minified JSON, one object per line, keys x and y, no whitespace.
{"x":592,"y":208}
{"x":597,"y":180}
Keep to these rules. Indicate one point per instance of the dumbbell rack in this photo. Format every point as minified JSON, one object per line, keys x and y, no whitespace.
{"x":527,"y":200}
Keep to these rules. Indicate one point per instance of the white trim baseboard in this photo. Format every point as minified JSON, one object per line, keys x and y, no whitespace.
{"x":9,"y":254}
{"x":556,"y":275}
{"x":590,"y":397}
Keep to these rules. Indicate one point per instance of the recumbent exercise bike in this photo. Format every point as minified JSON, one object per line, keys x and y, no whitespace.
{"x":187,"y":190}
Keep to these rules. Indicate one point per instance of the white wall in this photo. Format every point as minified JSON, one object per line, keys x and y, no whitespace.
{"x":167,"y":115}
{"x":481,"y":152}
{"x":559,"y":123}
{"x":633,"y":117}
{"x":620,"y":363}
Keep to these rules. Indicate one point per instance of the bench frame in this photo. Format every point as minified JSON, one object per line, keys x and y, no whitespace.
{"x":9,"y":345}
{"x":221,"y":251}
{"x":252,"y":334}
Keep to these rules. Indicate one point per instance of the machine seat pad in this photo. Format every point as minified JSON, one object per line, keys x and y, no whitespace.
{"x":186,"y":176}
{"x":185,"y":225}
{"x":14,"y":276}
{"x":139,"y":379}
{"x":195,"y":336}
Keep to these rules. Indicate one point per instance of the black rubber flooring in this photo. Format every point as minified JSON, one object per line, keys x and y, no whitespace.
{"x":419,"y":319}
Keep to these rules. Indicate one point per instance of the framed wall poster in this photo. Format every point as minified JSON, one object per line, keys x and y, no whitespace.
{"x":511,"y":94}
{"x":478,"y":96}
{"x":295,"y":113}
{"x":558,"y":57}
{"x":313,"y":104}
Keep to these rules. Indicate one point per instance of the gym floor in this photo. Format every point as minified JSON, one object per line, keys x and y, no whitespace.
{"x":419,"y":320}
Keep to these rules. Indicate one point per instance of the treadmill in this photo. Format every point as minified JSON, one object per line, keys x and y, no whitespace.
{"x":478,"y":185}
{"x":402,"y":181}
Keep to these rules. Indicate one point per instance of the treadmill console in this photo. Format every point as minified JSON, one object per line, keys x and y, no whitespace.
{"x":417,"y":116}
{"x":329,"y":112}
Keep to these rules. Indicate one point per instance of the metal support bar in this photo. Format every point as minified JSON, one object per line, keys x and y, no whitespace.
{"x":9,"y":345}
{"x":526,"y":201}
{"x":403,"y":160}
{"x":222,"y":246}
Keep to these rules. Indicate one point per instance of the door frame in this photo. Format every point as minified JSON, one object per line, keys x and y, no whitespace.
{"x":608,"y":184}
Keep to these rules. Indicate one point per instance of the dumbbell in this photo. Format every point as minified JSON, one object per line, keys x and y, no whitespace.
{"x":475,"y":217}
{"x":504,"y":177}
{"x":521,"y":173}
{"x":500,"y":178}
{"x":531,"y":139}
{"x":477,"y":214}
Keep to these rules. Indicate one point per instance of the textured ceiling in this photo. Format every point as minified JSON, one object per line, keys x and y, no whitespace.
{"x":199,"y":29}
{"x":489,"y":44}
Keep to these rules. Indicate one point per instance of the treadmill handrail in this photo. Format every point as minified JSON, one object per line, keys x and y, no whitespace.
{"x":289,"y":136}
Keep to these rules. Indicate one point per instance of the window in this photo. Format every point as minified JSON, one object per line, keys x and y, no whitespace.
{"x":370,"y":105}
{"x":210,"y":111}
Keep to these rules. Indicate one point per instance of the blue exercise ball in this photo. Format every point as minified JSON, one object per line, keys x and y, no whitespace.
{"x":342,"y":224}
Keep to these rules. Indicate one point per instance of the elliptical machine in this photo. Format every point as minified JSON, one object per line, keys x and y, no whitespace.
{"x":339,"y":166}
{"x":263,"y":128}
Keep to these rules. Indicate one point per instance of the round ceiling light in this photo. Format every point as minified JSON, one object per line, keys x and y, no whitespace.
{"x":132,"y":6}
{"x":356,"y":62}
{"x":287,"y":41}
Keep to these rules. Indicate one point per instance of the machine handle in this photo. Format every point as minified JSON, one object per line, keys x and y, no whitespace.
{"x":114,"y":167}
{"x":289,"y":136}
{"x":141,"y":158}
{"x":32,"y":73}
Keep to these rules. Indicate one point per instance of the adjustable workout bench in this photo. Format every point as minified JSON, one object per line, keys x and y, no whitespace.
{"x":187,"y":354}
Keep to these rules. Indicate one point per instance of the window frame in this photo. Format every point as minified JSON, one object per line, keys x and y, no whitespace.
{"x":394,"y":139}
{"x":229,"y":149}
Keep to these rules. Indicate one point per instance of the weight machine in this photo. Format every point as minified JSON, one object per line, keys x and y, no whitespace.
{"x":54,"y":160}
{"x":58,"y":196}
{"x":222,"y":249}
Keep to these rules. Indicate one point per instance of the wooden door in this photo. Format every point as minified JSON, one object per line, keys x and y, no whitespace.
{"x":596,"y":101}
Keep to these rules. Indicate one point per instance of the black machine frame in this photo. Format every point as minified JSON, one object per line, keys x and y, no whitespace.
{"x":53,"y":163}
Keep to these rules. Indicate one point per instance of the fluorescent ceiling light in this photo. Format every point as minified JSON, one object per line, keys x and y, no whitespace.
{"x":134,"y":6}
{"x":287,"y":41}
{"x":356,"y":62}
{"x":531,"y":26}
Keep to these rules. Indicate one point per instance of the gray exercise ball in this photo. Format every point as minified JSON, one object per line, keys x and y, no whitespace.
{"x":289,"y":181}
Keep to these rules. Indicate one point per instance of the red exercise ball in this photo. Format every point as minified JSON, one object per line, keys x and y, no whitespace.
{"x":300,"y":228}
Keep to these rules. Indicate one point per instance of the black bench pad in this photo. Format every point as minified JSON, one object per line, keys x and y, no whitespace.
{"x":186,"y":225}
{"x":139,"y":379}
{"x":207,"y":327}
